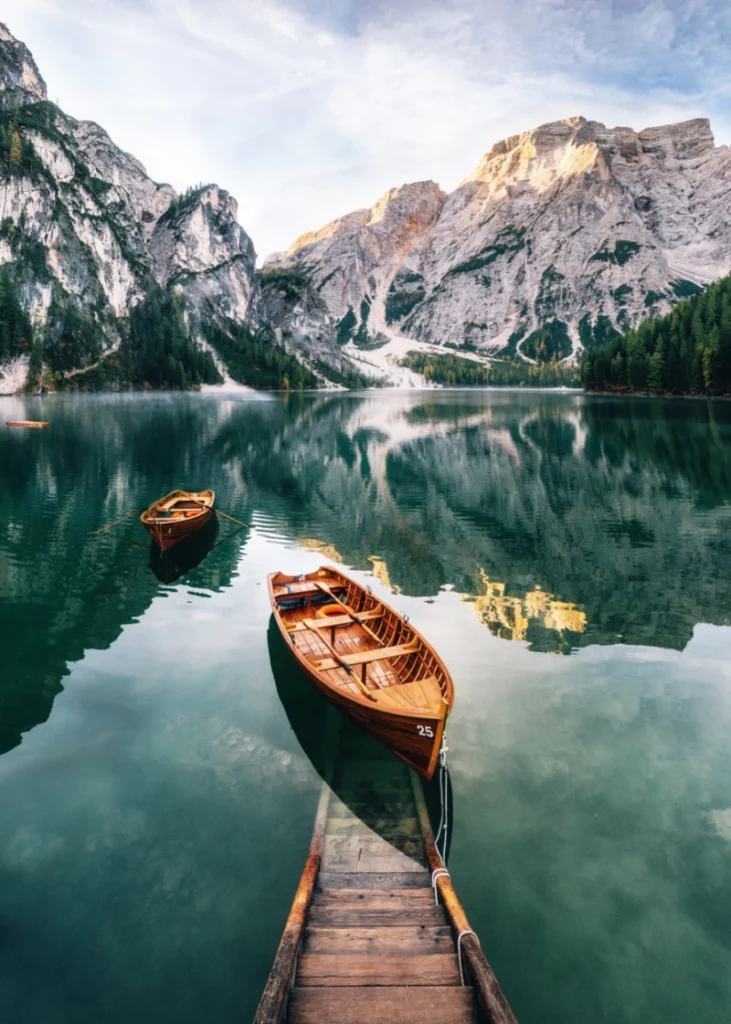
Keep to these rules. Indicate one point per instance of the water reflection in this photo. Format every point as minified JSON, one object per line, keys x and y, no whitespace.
{"x":368,"y":779}
{"x":565,"y":521}
{"x":171,"y":565}
{"x":536,"y":617}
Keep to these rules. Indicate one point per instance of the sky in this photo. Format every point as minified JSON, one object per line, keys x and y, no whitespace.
{"x":308,"y":110}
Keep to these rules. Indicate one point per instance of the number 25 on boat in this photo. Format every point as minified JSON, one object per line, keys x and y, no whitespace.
{"x":369,"y":662}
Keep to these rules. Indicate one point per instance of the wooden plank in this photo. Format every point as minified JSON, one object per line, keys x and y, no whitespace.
{"x":323,"y":969}
{"x":396,"y":808}
{"x":424,"y":693}
{"x":379,"y":654}
{"x":407,"y":828}
{"x":356,"y":916}
{"x":373,"y":846}
{"x":407,"y":1005}
{"x":405,"y":939}
{"x":375,"y":899}
{"x":352,"y":863}
{"x":330,"y":881}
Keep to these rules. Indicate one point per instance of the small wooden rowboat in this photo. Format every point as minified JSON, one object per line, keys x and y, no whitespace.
{"x":38,"y":424}
{"x":367,"y":660}
{"x":177,"y":516}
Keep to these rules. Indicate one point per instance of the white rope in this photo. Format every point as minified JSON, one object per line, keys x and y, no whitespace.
{"x":465,"y":931}
{"x":443,"y":800}
{"x":436,"y":874}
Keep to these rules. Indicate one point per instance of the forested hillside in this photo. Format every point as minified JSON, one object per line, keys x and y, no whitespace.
{"x":688,"y":351}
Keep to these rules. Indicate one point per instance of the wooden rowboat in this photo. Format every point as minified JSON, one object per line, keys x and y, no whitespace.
{"x":177,"y":516}
{"x":38,"y":424}
{"x":367,"y":660}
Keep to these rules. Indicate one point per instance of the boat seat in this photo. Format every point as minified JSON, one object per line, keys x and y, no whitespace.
{"x":423,"y":693}
{"x":379,"y":654}
{"x":336,"y":620}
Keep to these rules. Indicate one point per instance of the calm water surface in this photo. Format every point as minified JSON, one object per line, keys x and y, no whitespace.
{"x":569,"y":559}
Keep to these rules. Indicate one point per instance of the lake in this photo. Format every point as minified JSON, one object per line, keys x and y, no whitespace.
{"x":568,"y":557}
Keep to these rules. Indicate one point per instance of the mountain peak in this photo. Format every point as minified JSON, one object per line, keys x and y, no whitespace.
{"x":20,"y":79}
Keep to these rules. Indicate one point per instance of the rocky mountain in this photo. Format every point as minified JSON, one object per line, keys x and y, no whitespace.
{"x":559,"y":237}
{"x":87,"y":238}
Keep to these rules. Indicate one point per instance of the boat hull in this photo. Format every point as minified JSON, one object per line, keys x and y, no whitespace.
{"x":412,"y":731}
{"x":178,"y":516}
{"x":398,"y":733}
{"x":169,"y":535}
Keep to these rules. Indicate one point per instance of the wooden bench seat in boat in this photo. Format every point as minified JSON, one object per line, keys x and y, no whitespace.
{"x":336,"y":620}
{"x":423,"y":693}
{"x":364,"y":657}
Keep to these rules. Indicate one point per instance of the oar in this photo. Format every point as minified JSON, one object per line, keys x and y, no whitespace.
{"x":348,"y":668}
{"x":92,"y":533}
{"x":227,"y":516}
{"x":354,"y":617}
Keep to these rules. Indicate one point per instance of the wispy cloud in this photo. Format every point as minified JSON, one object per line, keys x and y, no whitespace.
{"x":306,"y":110}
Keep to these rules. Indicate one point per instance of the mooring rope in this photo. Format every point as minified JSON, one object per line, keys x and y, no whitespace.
{"x":435,"y":875}
{"x":444,"y":802}
{"x":465,"y":931}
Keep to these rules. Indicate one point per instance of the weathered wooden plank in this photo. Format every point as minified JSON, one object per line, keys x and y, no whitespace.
{"x":384,"y":827}
{"x":358,"y":916}
{"x":372,"y":846}
{"x":407,"y":1005}
{"x":368,"y":808}
{"x":329,"y":881}
{"x":325,"y":969}
{"x":374,"y":899}
{"x":401,"y":939}
{"x":350,"y":863}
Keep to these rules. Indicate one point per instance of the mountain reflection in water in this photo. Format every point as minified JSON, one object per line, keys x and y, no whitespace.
{"x":565,"y":521}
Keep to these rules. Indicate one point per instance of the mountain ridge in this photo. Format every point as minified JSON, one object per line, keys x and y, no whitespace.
{"x":86,"y":237}
{"x":558,"y":239}
{"x":572,"y":225}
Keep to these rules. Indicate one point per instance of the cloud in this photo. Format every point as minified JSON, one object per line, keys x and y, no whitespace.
{"x":308,"y":110}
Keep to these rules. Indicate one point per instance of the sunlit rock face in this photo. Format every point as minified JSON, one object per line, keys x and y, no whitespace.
{"x":593,"y":227}
{"x":85,"y":225}
{"x":20,"y":80}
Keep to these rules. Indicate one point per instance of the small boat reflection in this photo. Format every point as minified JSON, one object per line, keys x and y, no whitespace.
{"x":367,"y":778}
{"x":169,"y":566}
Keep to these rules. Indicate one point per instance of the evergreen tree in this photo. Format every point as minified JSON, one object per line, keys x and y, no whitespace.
{"x":16,"y":147}
{"x":688,"y":350}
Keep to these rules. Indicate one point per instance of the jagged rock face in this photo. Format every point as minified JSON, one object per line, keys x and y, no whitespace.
{"x":571,"y":222}
{"x":198,"y":247}
{"x":347,"y":259}
{"x":20,"y":80}
{"x":303,"y":323}
{"x":81,"y":219}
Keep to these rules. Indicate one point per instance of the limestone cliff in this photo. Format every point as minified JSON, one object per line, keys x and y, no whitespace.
{"x":85,"y":234}
{"x":572,"y":227}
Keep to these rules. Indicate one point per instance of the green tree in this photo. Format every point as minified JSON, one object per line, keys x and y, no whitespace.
{"x":16,"y":147}
{"x":656,"y":371}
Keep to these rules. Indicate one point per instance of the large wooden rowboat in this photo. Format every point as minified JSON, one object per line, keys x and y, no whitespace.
{"x":177,"y":516}
{"x":367,"y":660}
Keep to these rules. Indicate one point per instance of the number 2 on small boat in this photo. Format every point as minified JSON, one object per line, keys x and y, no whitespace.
{"x":424,"y":730}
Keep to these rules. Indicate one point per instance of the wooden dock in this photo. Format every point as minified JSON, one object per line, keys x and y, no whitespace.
{"x":365,"y":941}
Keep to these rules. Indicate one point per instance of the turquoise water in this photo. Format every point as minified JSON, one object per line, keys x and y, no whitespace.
{"x":568,"y":558}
